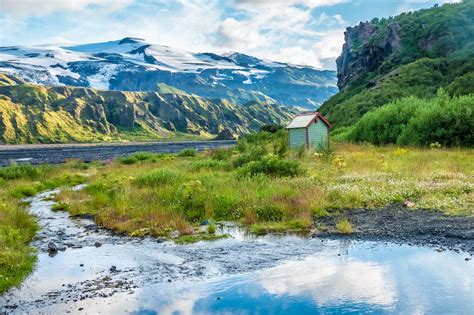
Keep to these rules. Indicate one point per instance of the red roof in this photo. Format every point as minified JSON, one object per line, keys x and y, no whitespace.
{"x":306,"y":119}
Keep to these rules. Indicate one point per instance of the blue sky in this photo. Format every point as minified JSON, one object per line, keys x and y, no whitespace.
{"x":297,"y":31}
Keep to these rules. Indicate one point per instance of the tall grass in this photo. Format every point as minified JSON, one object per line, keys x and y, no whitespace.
{"x":252,"y":184}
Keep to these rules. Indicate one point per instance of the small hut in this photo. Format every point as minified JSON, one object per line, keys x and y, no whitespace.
{"x":310,"y":130}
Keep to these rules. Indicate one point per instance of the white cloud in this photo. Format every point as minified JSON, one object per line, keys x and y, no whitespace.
{"x":255,"y":4}
{"x":330,"y":281}
{"x":285,"y":33}
{"x":23,"y":8}
{"x":278,"y":30}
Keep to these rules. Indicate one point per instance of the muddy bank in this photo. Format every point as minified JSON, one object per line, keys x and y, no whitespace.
{"x":401,"y":225}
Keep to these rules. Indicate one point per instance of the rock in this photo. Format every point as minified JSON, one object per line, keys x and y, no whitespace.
{"x":225,"y":135}
{"x":52,"y":247}
{"x":97,"y":244}
{"x":409,"y":204}
{"x":113,"y":269}
{"x":81,"y":265}
{"x":174,"y":234}
{"x":364,"y":51}
{"x":467,"y":258}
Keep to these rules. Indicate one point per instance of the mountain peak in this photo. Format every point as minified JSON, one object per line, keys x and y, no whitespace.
{"x":131,"y":40}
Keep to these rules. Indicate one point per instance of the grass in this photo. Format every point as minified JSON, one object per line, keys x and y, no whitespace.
{"x":269,"y":192}
{"x":258,"y":183}
{"x":344,"y":226}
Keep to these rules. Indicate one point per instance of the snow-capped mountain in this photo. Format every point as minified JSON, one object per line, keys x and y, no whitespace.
{"x":131,"y":64}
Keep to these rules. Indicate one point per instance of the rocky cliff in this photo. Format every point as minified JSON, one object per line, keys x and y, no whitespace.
{"x":365,"y":49}
{"x":414,"y":53}
{"x":33,"y":113}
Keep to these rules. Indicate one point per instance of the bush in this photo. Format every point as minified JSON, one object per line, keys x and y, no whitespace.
{"x":189,"y":152}
{"x":272,"y":166}
{"x":22,"y":171}
{"x":254,"y":153}
{"x":192,"y":196}
{"x":414,"y":121}
{"x":221,"y":154}
{"x":269,"y":213}
{"x":158,"y":177}
{"x":23,"y":191}
{"x":128,"y":160}
{"x":207,"y":164}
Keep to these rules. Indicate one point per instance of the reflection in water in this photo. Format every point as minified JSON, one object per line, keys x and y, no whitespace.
{"x":329,"y":280}
{"x":369,"y":278}
{"x":242,"y":274}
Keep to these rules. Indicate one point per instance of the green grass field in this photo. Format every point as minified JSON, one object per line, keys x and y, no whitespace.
{"x":259,"y":183}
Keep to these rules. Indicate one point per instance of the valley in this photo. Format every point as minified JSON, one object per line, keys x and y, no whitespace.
{"x":141,"y":178}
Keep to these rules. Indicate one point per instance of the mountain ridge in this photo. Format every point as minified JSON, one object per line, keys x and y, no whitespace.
{"x":41,"y":114}
{"x":132,"y":64}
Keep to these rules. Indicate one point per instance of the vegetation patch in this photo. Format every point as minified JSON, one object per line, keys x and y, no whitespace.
{"x":17,"y":226}
{"x":344,"y":226}
{"x":194,"y":238}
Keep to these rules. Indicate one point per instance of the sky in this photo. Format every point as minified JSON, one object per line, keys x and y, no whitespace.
{"x":304,"y":32}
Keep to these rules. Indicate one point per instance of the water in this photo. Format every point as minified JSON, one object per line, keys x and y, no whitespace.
{"x":242,"y":274}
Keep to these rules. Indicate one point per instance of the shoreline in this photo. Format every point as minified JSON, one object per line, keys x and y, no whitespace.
{"x":400,"y":225}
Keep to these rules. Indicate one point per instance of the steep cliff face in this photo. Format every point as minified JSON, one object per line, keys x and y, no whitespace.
{"x":32,"y":113}
{"x":414,"y":53}
{"x":365,"y":49}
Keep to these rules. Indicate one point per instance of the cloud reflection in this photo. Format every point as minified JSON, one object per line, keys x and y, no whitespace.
{"x":330,"y":280}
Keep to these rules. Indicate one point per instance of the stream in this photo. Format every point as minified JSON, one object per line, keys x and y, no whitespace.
{"x":97,"y":272}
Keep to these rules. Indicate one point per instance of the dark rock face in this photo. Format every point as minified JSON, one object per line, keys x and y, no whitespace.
{"x":225,"y":135}
{"x":364,"y":50}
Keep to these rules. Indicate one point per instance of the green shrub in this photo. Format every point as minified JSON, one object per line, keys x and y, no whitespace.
{"x":146,"y":156}
{"x":211,"y":228}
{"x":158,"y":177}
{"x":17,"y":171}
{"x":23,"y":191}
{"x":189,"y":152}
{"x":272,"y":166}
{"x":281,"y":144}
{"x":221,"y":154}
{"x":192,"y":197}
{"x":254,"y":153}
{"x":269,"y":213}
{"x":207,"y":164}
{"x":128,"y":160}
{"x":448,"y":121}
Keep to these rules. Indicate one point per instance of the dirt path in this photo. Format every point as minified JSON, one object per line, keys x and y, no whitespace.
{"x":58,"y":153}
{"x":398,"y":224}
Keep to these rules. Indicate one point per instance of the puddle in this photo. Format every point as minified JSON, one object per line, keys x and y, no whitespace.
{"x":243,"y":274}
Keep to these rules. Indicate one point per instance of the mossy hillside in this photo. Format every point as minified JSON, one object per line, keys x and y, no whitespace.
{"x":31,"y":113}
{"x":436,"y":50}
